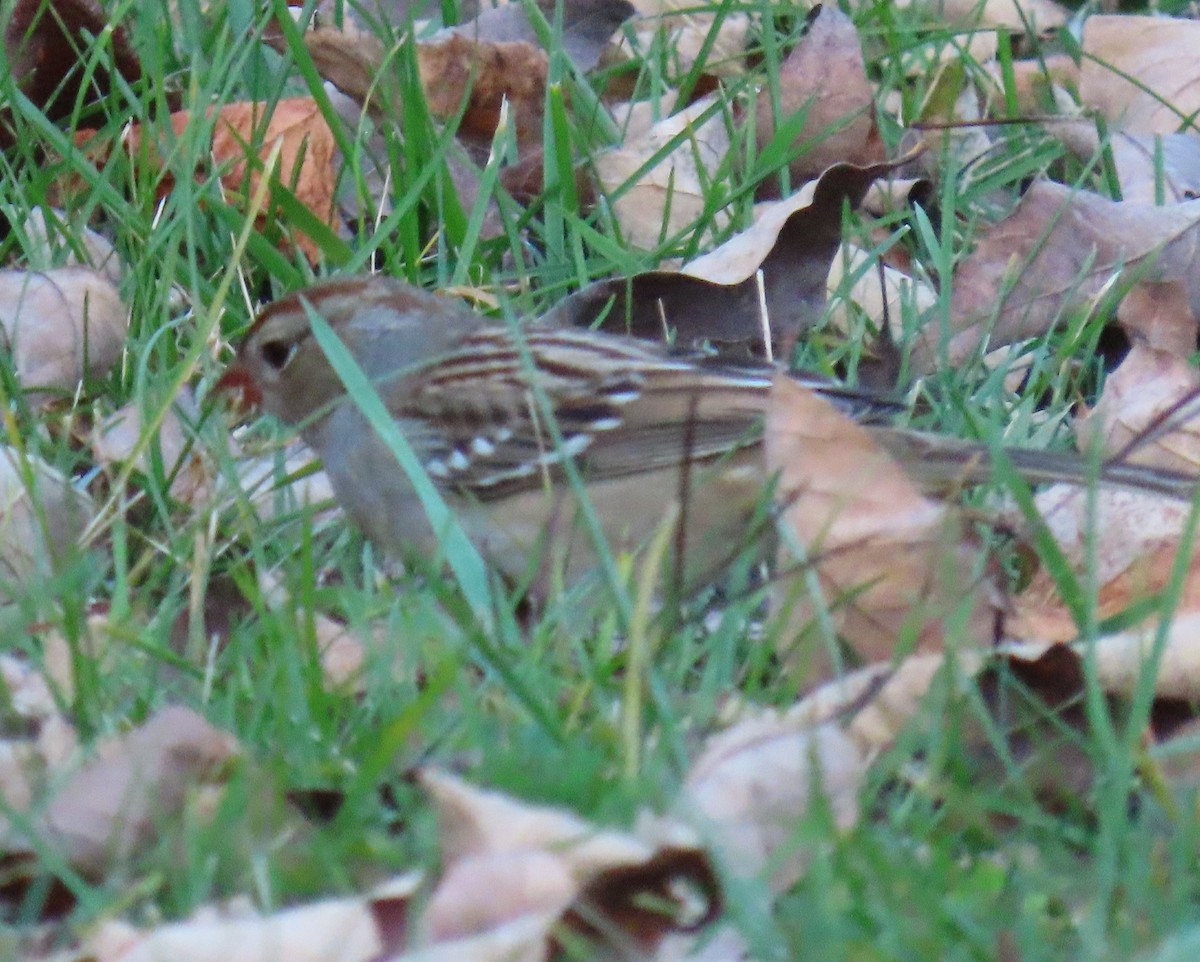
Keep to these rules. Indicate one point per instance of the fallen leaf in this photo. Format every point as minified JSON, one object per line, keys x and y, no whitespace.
{"x":600,"y":884}
{"x":192,"y":476}
{"x":243,"y":136}
{"x":753,"y":783}
{"x":348,"y":56}
{"x":716,"y":297}
{"x":333,"y":930}
{"x":879,"y":292}
{"x":1140,"y":72}
{"x":587,"y":27}
{"x":478,"y":893}
{"x":473,"y":821}
{"x":39,"y":739}
{"x":281,"y":482}
{"x":486,"y":75}
{"x":52,"y":239}
{"x":824,"y":77}
{"x":1022,"y":16}
{"x":687,"y":31}
{"x":896,"y":570}
{"x":60,"y":326}
{"x":657,"y":204}
{"x":1139,"y":417}
{"x":114,"y":805}
{"x":1151,"y":168}
{"x":455,"y":71}
{"x":1160,"y":317}
{"x":45,"y":47}
{"x":42,"y":518}
{"x":1060,"y":249}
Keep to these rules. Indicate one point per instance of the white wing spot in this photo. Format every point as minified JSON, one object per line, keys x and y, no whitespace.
{"x":482,"y":447}
{"x":459,"y":461}
{"x":437,"y":469}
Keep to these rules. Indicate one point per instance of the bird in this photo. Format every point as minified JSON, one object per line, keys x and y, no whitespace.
{"x":495,"y":413}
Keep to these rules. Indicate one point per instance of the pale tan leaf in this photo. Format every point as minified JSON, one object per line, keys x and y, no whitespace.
{"x":855,"y":283}
{"x":526,"y":939}
{"x":41,"y":738}
{"x":893,"y":566}
{"x":685,"y":28}
{"x":1141,"y":73}
{"x":673,"y":193}
{"x":1151,"y":168}
{"x":1025,"y":16}
{"x":474,"y":821}
{"x":334,"y":930}
{"x":53,"y":239}
{"x":1145,"y":390}
{"x":192,"y":475}
{"x":753,"y":783}
{"x":42,"y":517}
{"x":61,"y":325}
{"x":279,"y":483}
{"x":479,"y":893}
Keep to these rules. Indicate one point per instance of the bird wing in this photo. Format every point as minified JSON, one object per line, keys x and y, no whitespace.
{"x":620,"y":405}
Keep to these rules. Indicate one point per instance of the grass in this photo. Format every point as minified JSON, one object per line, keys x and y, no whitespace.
{"x":561,"y":710}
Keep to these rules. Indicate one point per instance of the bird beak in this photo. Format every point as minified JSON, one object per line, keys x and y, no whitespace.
{"x":240,"y":386}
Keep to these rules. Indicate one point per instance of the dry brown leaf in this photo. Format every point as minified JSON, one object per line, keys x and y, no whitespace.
{"x":825,"y":78}
{"x":453,"y":68}
{"x":716,"y":297}
{"x":486,"y":75}
{"x":1059,"y":249}
{"x":350,"y":57}
{"x":115,"y":804}
{"x":39,"y":528}
{"x":1148,"y":568}
{"x":753,"y":783}
{"x":671,"y":195}
{"x":1141,"y":73}
{"x":306,"y":160}
{"x":1160,"y":316}
{"x":895,"y":568}
{"x":60,"y":326}
{"x":42,"y":48}
{"x":1143,"y":392}
{"x":334,"y":930}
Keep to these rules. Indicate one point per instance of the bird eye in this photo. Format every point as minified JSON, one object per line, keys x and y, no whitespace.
{"x":277,"y":354}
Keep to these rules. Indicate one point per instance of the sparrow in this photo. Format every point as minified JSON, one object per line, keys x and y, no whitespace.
{"x":658,"y":435}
